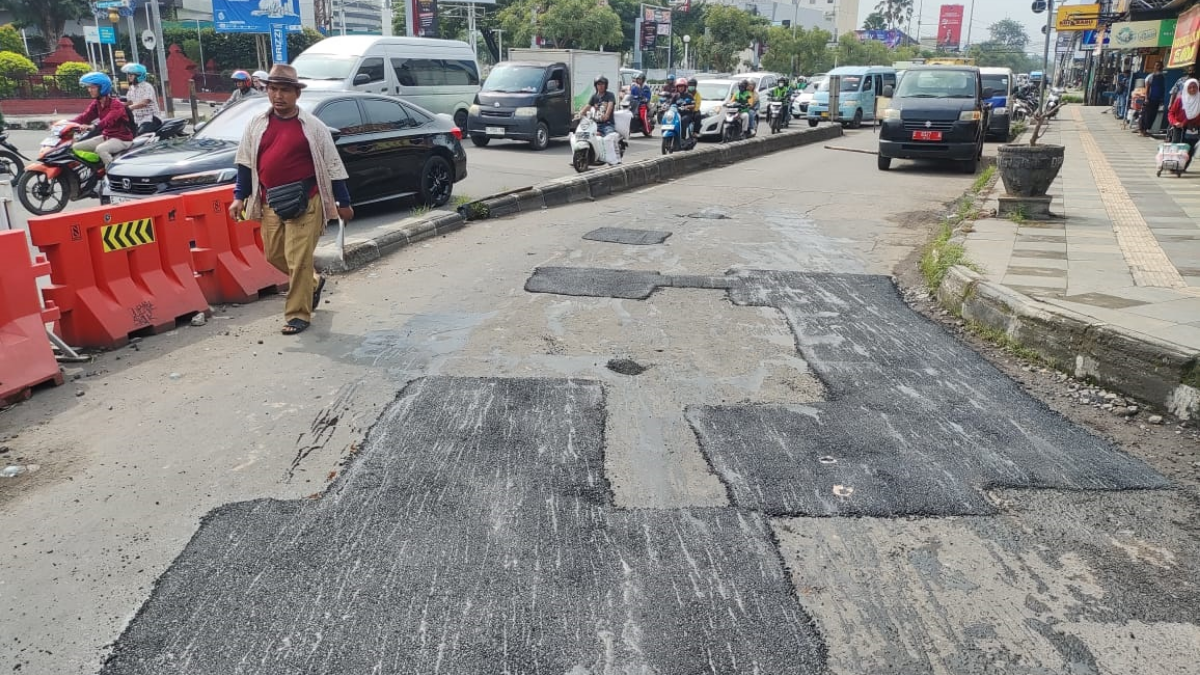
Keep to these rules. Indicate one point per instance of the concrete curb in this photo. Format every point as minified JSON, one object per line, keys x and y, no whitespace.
{"x":588,"y":186}
{"x":1160,"y":373}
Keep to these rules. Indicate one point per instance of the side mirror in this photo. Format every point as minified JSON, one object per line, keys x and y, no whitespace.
{"x":989,"y":92}
{"x":362,"y":78}
{"x":888,"y":91}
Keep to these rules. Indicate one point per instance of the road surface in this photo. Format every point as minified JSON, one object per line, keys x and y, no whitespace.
{"x":722,"y":443}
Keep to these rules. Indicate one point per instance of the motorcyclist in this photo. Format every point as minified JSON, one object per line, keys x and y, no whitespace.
{"x":743,"y":98}
{"x":142,"y":99}
{"x":259,"y":79}
{"x":109,"y":117}
{"x":754,"y":103}
{"x":639,"y":95}
{"x":605,"y":103}
{"x":697,"y":117}
{"x":243,"y":88}
{"x":685,"y":102}
{"x":783,"y":93}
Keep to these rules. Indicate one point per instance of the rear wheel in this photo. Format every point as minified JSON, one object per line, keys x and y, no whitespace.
{"x":480,"y":141}
{"x":437,"y":182}
{"x":856,"y":123}
{"x":668,"y":145}
{"x":581,"y":160}
{"x":541,"y":137}
{"x":42,"y":195}
{"x":885,"y":163}
{"x":776,"y":122}
{"x":729,"y":134}
{"x":460,"y":119}
{"x":969,"y":165}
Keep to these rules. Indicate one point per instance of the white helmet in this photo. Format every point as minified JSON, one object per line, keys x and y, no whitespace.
{"x":260,"y":75}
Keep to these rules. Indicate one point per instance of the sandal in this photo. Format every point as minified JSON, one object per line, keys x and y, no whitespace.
{"x":295,"y":327}
{"x":317,"y":293}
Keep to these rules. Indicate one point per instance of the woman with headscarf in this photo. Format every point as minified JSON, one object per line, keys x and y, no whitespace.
{"x":1184,"y":116}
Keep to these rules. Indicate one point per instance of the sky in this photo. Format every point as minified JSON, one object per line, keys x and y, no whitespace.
{"x":987,"y":12}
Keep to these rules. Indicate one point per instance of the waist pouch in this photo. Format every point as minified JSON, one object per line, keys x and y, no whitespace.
{"x":290,"y":199}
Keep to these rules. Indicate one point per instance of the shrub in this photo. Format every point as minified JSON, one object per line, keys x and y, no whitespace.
{"x":13,"y":66}
{"x":68,"y":75}
{"x":10,"y":40}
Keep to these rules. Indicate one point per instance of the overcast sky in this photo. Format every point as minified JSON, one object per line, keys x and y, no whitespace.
{"x":987,"y":12}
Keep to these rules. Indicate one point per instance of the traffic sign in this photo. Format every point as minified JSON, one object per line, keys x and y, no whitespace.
{"x":108,"y":35}
{"x":1039,"y":6}
{"x":148,"y":39}
{"x":112,"y":4}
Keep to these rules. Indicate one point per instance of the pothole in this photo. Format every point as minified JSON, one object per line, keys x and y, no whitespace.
{"x":709,"y":214}
{"x":626,"y":367}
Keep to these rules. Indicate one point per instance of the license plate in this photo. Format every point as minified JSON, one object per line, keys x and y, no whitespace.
{"x":583,"y":135}
{"x":495,"y":131}
{"x":119,"y":200}
{"x":927,"y":135}
{"x":825,"y":115}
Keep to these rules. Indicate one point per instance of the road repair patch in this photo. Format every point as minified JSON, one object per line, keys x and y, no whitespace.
{"x":475,"y":534}
{"x":621,"y":235}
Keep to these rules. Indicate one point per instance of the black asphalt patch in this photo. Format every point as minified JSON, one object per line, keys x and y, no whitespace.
{"x":475,"y":534}
{"x":621,"y":235}
{"x":626,"y":367}
{"x":917,"y":423}
{"x":609,"y":283}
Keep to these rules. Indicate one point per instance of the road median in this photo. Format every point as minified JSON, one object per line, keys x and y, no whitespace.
{"x":587,"y":186}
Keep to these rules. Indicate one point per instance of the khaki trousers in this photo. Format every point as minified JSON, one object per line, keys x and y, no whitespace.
{"x":289,"y":246}
{"x":107,"y":148}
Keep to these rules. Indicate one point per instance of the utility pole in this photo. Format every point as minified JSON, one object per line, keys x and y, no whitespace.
{"x":499,"y":42}
{"x":385,"y":15}
{"x":1046,"y":55}
{"x":971,"y":20}
{"x":160,"y":49}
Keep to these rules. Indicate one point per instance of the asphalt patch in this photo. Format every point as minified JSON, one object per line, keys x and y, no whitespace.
{"x":475,"y":534}
{"x":626,"y":367}
{"x":917,"y":423}
{"x":621,"y":235}
{"x":609,"y":283}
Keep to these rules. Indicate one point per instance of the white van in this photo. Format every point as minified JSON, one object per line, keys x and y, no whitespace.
{"x":441,"y":76}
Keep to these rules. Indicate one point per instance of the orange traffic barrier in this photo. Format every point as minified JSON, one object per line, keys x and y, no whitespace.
{"x":26,"y":359}
{"x":228,"y":254}
{"x":116,"y":271}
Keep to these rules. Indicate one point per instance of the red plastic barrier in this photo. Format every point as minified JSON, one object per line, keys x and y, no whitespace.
{"x":26,"y":359}
{"x":227,"y":254}
{"x":119,"y":270}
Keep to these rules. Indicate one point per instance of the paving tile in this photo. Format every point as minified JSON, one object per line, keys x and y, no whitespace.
{"x":1188,"y":336}
{"x":1104,"y":300}
{"x":1036,"y":271}
{"x":1053,"y":245}
{"x":1117,"y":317}
{"x":1044,"y":255}
{"x":1037,"y":291}
{"x":1014,"y":280}
{"x":1019,"y":261}
{"x":1178,"y":311}
{"x":1148,"y":293}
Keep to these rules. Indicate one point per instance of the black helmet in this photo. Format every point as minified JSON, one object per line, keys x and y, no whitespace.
{"x":783,"y":81}
{"x":600,"y":80}
{"x":691,"y":81}
{"x":743,"y":85}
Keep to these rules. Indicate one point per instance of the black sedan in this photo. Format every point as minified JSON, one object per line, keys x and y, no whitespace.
{"x":390,"y":148}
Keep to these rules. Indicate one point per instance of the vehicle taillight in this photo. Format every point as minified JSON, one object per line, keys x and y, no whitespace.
{"x":457,"y":132}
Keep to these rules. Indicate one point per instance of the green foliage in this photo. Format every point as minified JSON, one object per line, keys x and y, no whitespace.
{"x":875,"y":21}
{"x":566,"y":24}
{"x":1010,"y":33}
{"x":728,"y":31}
{"x":10,"y":40}
{"x":895,"y":13}
{"x":984,"y":178}
{"x":67,"y":76}
{"x":48,"y":16}
{"x":12,"y":66}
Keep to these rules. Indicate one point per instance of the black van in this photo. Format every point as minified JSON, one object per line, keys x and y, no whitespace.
{"x":522,"y":101}
{"x":937,"y":112}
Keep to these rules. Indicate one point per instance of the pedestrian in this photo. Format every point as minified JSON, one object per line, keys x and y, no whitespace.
{"x":1177,"y":88}
{"x":292,"y":180}
{"x":1156,"y":90}
{"x":1184,"y":116}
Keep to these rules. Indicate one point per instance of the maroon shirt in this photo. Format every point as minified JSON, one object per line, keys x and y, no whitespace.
{"x":110,"y":118}
{"x":283,"y":154}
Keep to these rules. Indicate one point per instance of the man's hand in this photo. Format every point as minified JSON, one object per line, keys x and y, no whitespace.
{"x":346,"y":213}
{"x":236,"y":208}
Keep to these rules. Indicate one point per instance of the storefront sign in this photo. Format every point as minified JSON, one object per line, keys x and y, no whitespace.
{"x":1078,"y":17}
{"x":1141,"y":34}
{"x":1187,"y":37}
{"x":1064,"y":43}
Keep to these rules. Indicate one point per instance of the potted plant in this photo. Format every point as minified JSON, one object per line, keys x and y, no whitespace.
{"x":1028,"y":170}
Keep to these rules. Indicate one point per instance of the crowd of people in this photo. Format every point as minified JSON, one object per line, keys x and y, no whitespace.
{"x":1140,"y":101}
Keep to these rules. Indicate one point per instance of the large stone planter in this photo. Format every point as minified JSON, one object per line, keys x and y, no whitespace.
{"x":1028,"y":170}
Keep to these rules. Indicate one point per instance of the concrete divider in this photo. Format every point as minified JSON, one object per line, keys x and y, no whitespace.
{"x":1159,"y":373}
{"x":586,"y":186}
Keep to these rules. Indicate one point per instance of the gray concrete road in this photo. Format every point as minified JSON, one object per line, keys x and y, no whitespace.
{"x":524,"y":447}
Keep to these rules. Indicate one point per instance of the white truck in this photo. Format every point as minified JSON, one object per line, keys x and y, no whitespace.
{"x":535,"y":95}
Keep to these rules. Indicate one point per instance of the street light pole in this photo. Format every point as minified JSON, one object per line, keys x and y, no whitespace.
{"x":1046,"y":55}
{"x":686,"y":39}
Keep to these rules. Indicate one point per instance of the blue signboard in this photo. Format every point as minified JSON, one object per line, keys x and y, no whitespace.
{"x":255,"y":16}
{"x":108,"y":35}
{"x":278,"y":43}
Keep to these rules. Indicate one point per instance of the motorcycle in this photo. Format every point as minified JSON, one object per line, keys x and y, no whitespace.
{"x":737,"y":123}
{"x":643,"y":121}
{"x":587,"y":145}
{"x":676,"y":135}
{"x":777,"y":115}
{"x":63,"y":174}
{"x":11,"y":158}
{"x":1053,"y":102}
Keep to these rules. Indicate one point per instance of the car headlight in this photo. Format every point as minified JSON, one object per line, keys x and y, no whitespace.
{"x":970,"y":116}
{"x":529,"y":111}
{"x":474,"y":109}
{"x":204,"y":178}
{"x":1001,"y":111}
{"x":891,"y":114}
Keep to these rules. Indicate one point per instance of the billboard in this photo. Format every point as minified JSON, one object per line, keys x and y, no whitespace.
{"x":891,"y":38}
{"x":1187,"y":36}
{"x":255,"y":16}
{"x":1141,"y":34}
{"x":950,"y":27}
{"x":1078,"y":17}
{"x":425,"y":18}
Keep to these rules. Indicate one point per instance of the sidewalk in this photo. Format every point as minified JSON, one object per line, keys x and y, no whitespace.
{"x":1128,"y":251}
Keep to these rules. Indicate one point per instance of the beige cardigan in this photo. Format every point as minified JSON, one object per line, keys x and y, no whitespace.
{"x":325,"y":158}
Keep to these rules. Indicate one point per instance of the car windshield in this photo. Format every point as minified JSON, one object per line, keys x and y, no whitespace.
{"x":514,"y":79}
{"x":323,"y":66}
{"x":712,"y":91}
{"x":937,"y":84}
{"x":997,"y":83}
{"x":849,"y":83}
{"x":229,"y":124}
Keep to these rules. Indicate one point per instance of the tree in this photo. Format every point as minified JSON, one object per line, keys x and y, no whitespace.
{"x":10,"y":40}
{"x":565,"y":24}
{"x":48,"y":16}
{"x":895,"y":13}
{"x":1009,"y":33}
{"x":875,"y":21}
{"x":728,"y":32}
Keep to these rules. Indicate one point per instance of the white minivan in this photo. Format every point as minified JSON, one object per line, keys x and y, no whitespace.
{"x":441,"y":76}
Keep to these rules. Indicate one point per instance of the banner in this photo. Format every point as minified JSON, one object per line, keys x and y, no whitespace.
{"x":279,"y":53}
{"x":255,"y":16}
{"x":1065,"y":43}
{"x":649,"y":34}
{"x":425,"y":17}
{"x":656,"y":21}
{"x":950,"y":27}
{"x":1187,"y":35}
{"x":1141,"y":34}
{"x":891,"y":38}
{"x":1078,"y":17}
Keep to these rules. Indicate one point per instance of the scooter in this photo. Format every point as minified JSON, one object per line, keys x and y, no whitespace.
{"x":12,"y":158}
{"x":737,"y":123}
{"x":587,"y":145}
{"x":643,"y":121}
{"x":63,"y":174}
{"x":676,"y":135}
{"x":777,"y":115}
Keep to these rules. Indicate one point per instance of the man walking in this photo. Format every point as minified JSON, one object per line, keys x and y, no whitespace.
{"x":292,"y":180}
{"x":1156,"y":90}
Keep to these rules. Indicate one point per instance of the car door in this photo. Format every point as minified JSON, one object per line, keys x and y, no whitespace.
{"x":555,"y":105}
{"x":344,"y":116}
{"x":371,"y":76}
{"x":400,"y":148}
